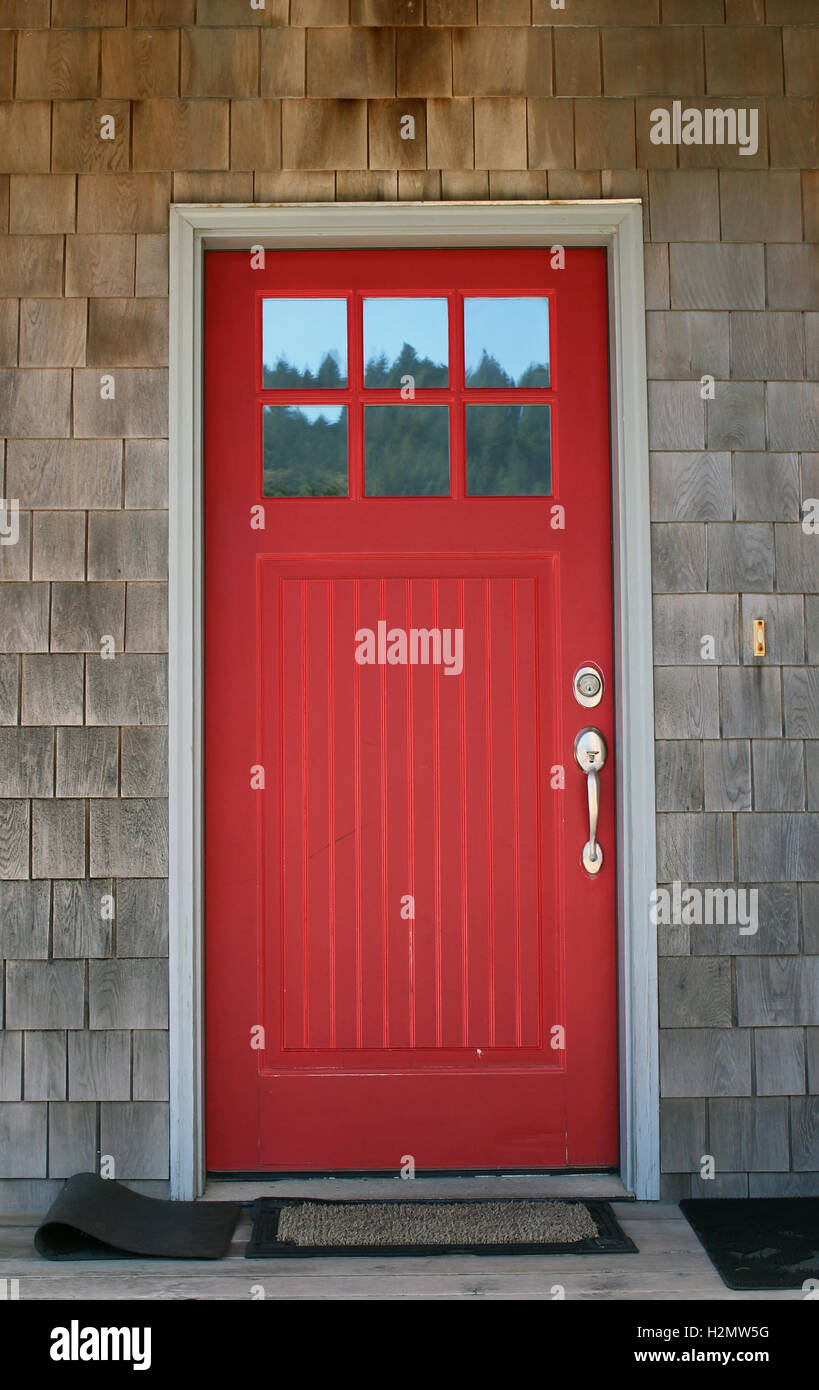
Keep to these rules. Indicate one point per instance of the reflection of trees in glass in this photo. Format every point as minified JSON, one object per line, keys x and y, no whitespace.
{"x":406,"y":450}
{"x":379,"y":372}
{"x":304,"y":457}
{"x":489,"y":373}
{"x":507,"y":451}
{"x":407,"y":445}
{"x":328,"y":376}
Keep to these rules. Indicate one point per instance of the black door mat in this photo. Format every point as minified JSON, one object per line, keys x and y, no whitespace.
{"x":296,"y":1227}
{"x":97,"y":1218}
{"x":758,"y":1242}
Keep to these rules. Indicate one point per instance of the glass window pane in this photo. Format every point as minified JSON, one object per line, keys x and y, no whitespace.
{"x":305,"y":451}
{"x":406,"y":451}
{"x":406,"y":337}
{"x":508,"y":451}
{"x":506,"y":342}
{"x":304,"y":343}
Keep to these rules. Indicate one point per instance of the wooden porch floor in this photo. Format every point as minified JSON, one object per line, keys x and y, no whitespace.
{"x":671,"y":1264}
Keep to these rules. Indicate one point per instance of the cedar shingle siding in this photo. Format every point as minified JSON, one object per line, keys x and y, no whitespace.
{"x":213,"y":100}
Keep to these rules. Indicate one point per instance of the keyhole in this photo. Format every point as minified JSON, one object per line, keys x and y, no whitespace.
{"x":588,"y":686}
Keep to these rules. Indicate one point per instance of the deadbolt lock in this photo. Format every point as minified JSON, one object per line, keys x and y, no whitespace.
{"x":588,"y":686}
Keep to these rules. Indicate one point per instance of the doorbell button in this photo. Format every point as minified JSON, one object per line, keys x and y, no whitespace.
{"x":588,"y":686}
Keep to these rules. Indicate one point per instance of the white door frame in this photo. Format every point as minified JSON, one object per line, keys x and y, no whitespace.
{"x":616,"y":225}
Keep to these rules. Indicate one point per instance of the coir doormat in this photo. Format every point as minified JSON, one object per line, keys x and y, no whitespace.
{"x":758,"y":1242}
{"x":293,"y":1226}
{"x":96,"y":1218}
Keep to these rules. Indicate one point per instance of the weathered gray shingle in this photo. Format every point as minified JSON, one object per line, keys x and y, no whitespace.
{"x":45,"y":994}
{"x":128,"y":994}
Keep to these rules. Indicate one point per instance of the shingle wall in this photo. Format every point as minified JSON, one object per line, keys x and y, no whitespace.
{"x":216,"y":100}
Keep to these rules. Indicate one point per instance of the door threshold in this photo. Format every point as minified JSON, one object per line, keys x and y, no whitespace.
{"x":603,"y":1186}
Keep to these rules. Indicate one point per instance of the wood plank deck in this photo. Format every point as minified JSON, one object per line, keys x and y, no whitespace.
{"x":671,"y":1266}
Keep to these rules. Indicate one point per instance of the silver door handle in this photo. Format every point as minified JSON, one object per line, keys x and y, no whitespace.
{"x":590,"y":755}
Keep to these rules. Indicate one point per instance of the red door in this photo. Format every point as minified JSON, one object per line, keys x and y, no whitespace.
{"x":407,"y":561}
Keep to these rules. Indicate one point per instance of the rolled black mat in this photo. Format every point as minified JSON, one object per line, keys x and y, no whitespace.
{"x":97,"y":1218}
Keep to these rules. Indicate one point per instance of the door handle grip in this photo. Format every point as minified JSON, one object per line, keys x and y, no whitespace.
{"x":590,"y":755}
{"x":593,"y":784}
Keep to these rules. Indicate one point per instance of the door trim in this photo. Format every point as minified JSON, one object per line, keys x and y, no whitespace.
{"x":615,"y":224}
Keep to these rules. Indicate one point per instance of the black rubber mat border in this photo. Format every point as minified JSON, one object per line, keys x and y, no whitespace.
{"x":264,"y":1243}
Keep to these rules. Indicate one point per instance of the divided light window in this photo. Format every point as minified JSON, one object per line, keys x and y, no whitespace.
{"x":414,"y":396}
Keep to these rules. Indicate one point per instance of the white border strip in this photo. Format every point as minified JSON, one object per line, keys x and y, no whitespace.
{"x":614,"y":224}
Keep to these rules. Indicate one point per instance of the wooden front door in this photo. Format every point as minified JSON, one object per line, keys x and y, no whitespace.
{"x":407,"y":563}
